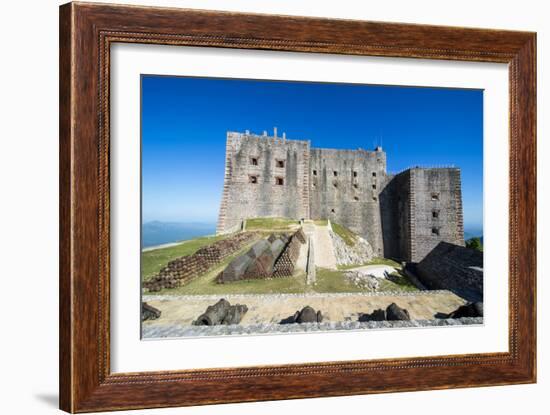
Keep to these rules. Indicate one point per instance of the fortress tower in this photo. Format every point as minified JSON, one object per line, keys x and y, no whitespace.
{"x":403,"y":216}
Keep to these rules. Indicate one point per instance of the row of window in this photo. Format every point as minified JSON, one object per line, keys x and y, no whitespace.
{"x":278,"y":163}
{"x":335,"y":173}
{"x":279,"y":181}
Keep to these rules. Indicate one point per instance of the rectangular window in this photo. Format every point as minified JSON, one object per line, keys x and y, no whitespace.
{"x":435,"y":214}
{"x":253,"y":179}
{"x":373,"y":174}
{"x":435,"y":231}
{"x":254,"y":161}
{"x":435,"y":196}
{"x":335,"y":173}
{"x":315,"y":172}
{"x":279,"y":181}
{"x":280,"y":163}
{"x":374,"y":186}
{"x":354,"y":174}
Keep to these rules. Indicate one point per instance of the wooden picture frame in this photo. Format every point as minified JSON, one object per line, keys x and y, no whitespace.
{"x":86,"y":33}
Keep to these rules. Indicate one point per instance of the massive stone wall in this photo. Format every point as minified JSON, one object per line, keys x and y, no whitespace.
{"x":436,"y":210}
{"x":403,"y":216}
{"x":264,"y":176}
{"x":345,"y":188}
{"x":455,"y":268}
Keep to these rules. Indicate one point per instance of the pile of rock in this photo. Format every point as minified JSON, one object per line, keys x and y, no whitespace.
{"x":182,"y":270}
{"x":363,"y":279}
{"x":221,"y":313}
{"x":392,"y":313}
{"x":360,"y":253}
{"x":275,"y":256}
{"x":285,"y":264}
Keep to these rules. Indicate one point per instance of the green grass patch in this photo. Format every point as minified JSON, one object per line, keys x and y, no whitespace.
{"x":271,"y":224}
{"x":333,"y":281}
{"x":348,"y":236}
{"x":398,"y":282}
{"x":153,"y":261}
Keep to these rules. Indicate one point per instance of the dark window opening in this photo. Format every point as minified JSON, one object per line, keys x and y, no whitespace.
{"x":435,"y":196}
{"x":253,"y":179}
{"x":435,"y":214}
{"x":374,"y":198}
{"x":356,"y":185}
{"x":335,"y":173}
{"x":354,"y":174}
{"x":254,"y":161}
{"x":356,"y":198}
{"x":373,"y":174}
{"x":435,"y":231}
{"x":280,"y":163}
{"x":335,"y":184}
{"x":332,"y":211}
{"x":279,"y":181}
{"x":374,"y":186}
{"x":315,"y":172}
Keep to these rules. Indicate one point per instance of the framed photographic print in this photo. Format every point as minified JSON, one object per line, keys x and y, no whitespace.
{"x":257,"y":207}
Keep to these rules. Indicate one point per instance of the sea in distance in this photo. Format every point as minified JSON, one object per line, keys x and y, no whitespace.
{"x":157,"y":233}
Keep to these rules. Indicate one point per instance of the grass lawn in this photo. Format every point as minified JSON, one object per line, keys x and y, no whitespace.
{"x":271,"y":224}
{"x":153,"y":261}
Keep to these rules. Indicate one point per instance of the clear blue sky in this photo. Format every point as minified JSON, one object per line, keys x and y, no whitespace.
{"x":184,"y":124}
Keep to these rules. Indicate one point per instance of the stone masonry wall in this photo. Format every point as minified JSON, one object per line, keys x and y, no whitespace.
{"x":436,"y":210}
{"x":265,"y":176}
{"x":345,"y":188}
{"x":403,"y":216}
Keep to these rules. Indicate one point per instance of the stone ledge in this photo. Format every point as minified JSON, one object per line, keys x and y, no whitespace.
{"x":173,"y":331}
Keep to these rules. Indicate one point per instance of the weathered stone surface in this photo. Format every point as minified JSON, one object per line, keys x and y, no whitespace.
{"x":360,"y":253}
{"x":305,"y":315}
{"x":394,"y":312}
{"x":269,"y":176}
{"x":455,"y":268}
{"x":148,"y":312}
{"x":376,"y":315}
{"x":363,"y":280}
{"x":235,"y":314}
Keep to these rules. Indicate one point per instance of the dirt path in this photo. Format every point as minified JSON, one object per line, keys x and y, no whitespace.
{"x":335,"y":307}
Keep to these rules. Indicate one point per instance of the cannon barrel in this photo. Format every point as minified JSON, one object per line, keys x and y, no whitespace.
{"x":214,"y":314}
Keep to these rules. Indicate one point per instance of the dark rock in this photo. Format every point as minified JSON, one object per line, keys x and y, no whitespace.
{"x":394,"y":312}
{"x":468,"y":310}
{"x":149,"y":312}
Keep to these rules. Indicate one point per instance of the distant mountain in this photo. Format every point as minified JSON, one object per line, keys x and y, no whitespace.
{"x":158,"y":233}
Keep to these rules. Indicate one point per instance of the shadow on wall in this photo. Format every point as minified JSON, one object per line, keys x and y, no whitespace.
{"x":454,"y":268}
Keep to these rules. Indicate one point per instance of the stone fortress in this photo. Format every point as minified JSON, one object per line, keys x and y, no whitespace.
{"x":403,"y":216}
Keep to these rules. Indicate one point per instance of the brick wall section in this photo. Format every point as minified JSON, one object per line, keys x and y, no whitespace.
{"x":454,"y":268}
{"x":183,"y":270}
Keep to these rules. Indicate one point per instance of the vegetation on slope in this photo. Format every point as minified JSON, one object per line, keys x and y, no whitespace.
{"x":475,"y":243}
{"x":271,"y":224}
{"x":348,"y":236}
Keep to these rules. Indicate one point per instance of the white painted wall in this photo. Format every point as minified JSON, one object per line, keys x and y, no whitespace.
{"x":28,"y":208}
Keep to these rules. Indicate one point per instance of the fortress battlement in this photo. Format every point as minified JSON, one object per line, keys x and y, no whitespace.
{"x":402,"y":216}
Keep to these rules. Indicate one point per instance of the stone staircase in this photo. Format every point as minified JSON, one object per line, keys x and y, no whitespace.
{"x":324,"y":249}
